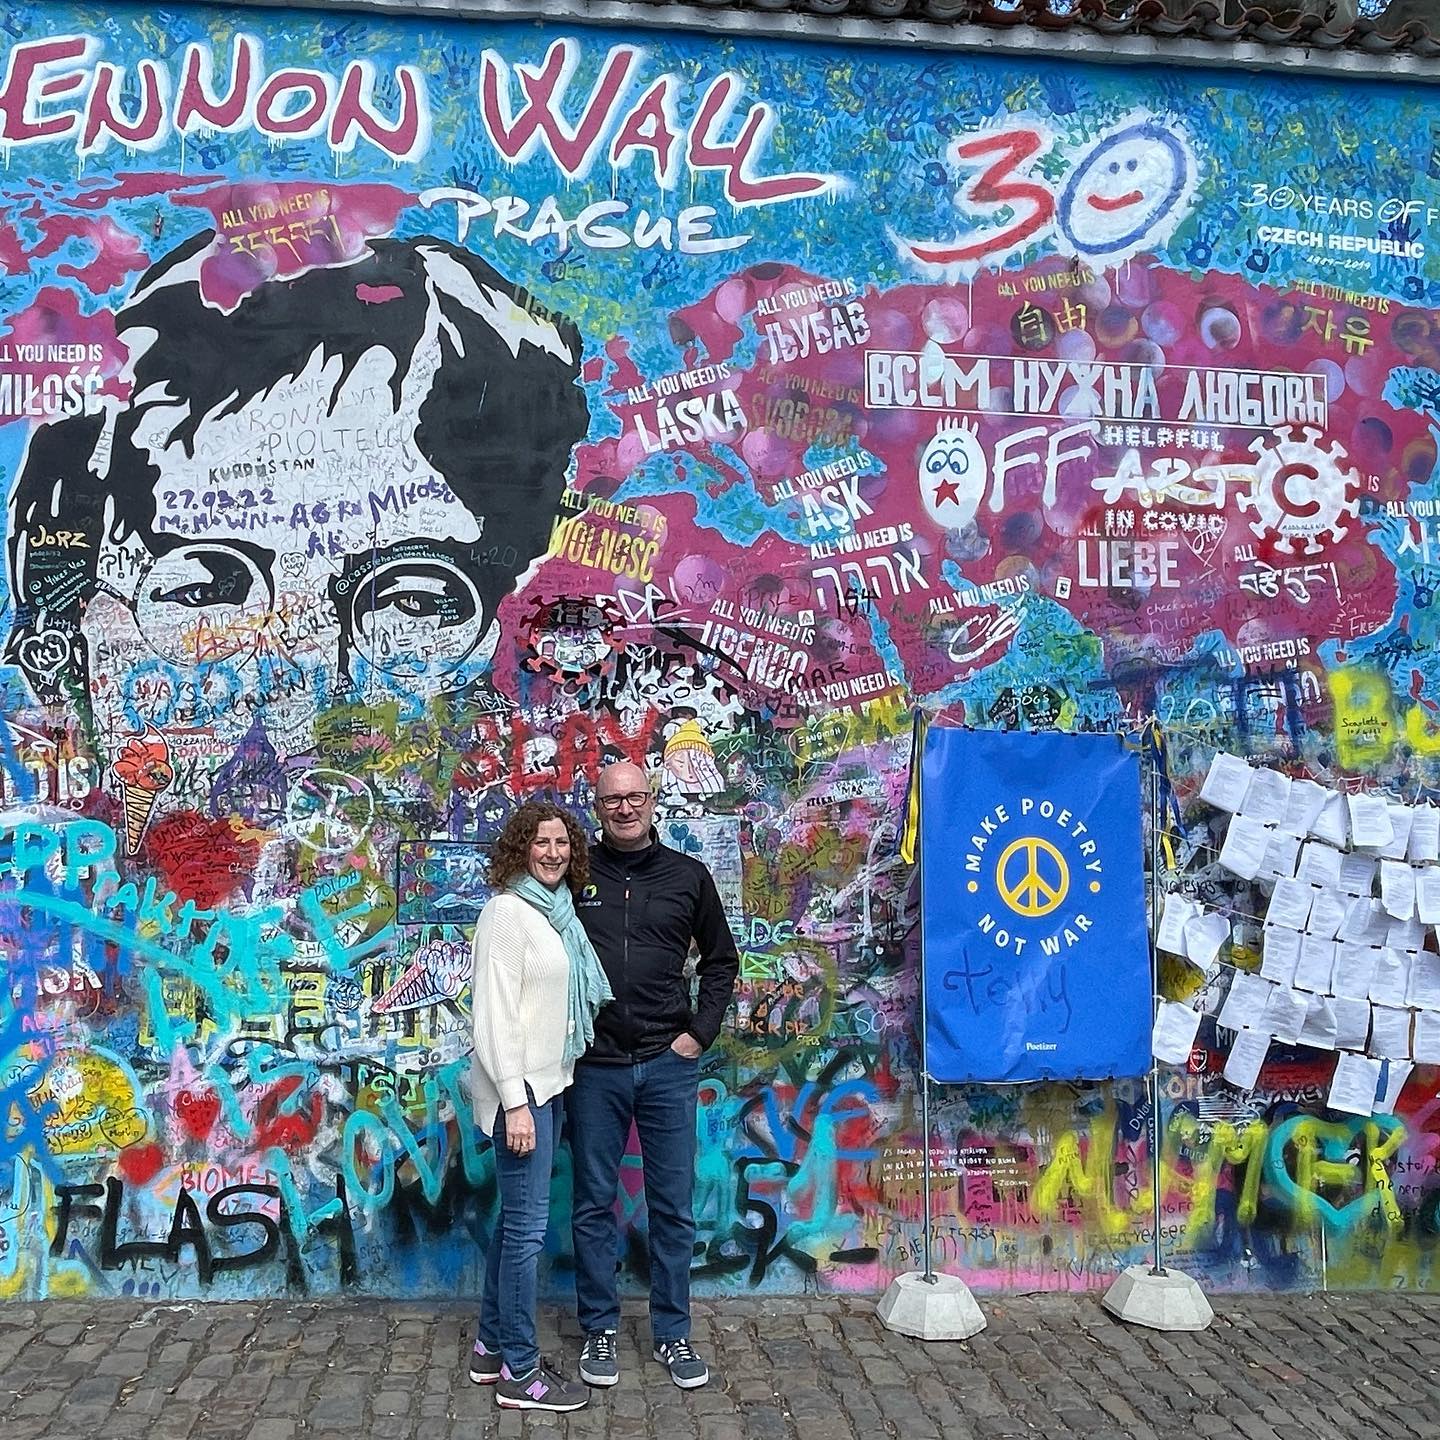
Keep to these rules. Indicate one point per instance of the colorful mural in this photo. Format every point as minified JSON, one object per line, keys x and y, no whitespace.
{"x":401,"y":419}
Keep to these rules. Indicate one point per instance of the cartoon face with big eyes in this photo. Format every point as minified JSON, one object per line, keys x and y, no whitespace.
{"x":1126,"y":192}
{"x":953,"y":473}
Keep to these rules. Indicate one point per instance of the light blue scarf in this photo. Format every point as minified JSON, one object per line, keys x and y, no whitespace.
{"x":589,"y":988}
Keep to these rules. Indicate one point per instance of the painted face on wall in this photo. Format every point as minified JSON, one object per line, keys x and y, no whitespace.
{"x":325,"y":491}
{"x":1126,"y":192}
{"x":953,"y":474}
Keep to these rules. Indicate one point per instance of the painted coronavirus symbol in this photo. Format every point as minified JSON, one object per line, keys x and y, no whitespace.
{"x":1305,"y":489}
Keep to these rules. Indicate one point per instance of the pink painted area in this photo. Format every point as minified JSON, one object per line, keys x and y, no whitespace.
{"x":118,"y":253}
{"x":54,"y":318}
{"x":1152,"y":317}
{"x":268,"y":231}
{"x":107,"y":192}
{"x":625,"y":374}
{"x":12,"y":251}
{"x":378,"y":294}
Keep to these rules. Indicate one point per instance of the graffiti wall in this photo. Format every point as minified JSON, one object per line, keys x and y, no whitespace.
{"x":399,"y":420}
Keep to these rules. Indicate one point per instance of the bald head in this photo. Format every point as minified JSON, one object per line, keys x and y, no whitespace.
{"x":620,"y":777}
{"x":624,"y":804}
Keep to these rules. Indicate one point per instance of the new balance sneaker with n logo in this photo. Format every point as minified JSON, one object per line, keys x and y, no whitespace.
{"x":541,"y":1389}
{"x":686,"y":1368}
{"x":486,"y":1366}
{"x":599,"y":1363}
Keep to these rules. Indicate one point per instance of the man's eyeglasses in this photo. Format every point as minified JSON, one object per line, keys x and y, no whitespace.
{"x":634,"y":798}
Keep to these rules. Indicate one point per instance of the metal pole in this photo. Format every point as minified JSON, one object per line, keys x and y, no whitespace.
{"x":929,"y":1276}
{"x":1154,"y":1079}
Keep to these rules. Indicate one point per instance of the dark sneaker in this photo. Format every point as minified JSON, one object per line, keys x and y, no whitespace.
{"x":686,"y":1368}
{"x":541,"y":1389}
{"x":486,"y":1366}
{"x":599,"y":1363}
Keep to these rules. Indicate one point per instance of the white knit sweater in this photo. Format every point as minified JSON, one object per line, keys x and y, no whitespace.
{"x":519,"y":1000}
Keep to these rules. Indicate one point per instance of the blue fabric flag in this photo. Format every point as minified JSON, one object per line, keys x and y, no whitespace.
{"x":1037,"y":958}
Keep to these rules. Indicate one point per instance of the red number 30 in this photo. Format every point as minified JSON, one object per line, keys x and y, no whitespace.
{"x":999,"y":184}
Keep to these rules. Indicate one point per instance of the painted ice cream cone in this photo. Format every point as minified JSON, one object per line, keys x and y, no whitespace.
{"x":139,"y":803}
{"x":143,"y":769}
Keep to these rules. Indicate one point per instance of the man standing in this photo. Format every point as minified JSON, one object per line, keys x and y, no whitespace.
{"x":644,"y":907}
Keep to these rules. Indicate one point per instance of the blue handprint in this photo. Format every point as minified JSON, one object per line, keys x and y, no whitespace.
{"x":1259,"y":257}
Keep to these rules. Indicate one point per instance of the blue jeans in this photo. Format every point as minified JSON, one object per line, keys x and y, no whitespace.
{"x":659,"y":1096}
{"x":507,"y":1310}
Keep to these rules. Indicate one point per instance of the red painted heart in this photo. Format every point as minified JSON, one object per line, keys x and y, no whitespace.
{"x":139,"y":1163}
{"x":197,"y":1114}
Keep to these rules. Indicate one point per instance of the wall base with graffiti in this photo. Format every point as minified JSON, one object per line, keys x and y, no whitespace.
{"x":402,"y":419}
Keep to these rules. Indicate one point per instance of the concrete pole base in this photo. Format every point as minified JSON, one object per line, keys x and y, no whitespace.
{"x":1168,"y":1301}
{"x":944,"y":1310}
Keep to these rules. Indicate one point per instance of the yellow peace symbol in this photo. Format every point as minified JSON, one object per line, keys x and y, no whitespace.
{"x":1024,"y":887}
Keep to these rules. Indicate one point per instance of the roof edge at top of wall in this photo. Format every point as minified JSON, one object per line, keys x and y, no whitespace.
{"x":1072,"y":43}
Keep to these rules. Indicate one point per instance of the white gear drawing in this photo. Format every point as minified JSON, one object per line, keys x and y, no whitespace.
{"x":1304,"y":488}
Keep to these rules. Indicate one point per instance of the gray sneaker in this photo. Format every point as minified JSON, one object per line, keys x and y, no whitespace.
{"x":541,"y":1389}
{"x":486,"y":1366}
{"x":686,"y":1368}
{"x":599,"y":1363}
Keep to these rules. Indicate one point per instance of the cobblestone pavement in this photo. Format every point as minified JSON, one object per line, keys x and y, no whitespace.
{"x":1293,"y":1367}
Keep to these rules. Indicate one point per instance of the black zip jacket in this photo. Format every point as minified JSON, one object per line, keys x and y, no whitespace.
{"x":641,"y":910}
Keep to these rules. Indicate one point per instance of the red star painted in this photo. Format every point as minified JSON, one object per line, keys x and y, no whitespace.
{"x":940,"y":492}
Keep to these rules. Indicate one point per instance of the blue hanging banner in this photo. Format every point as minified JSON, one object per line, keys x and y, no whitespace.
{"x":1037,"y":958}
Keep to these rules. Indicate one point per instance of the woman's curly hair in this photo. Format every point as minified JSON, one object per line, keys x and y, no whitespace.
{"x":510,"y":854}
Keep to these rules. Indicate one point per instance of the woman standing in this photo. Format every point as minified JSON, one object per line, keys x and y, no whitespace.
{"x":535,"y":987}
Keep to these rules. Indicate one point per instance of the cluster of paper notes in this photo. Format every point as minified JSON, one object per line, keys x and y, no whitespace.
{"x":1354,"y":889}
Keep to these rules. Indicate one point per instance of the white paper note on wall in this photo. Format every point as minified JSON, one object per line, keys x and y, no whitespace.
{"x":1317,"y":960}
{"x":1290,"y":904}
{"x":1243,"y":852}
{"x":1285,"y":1011}
{"x":1401,"y":819}
{"x":1426,"y":1039}
{"x":1267,"y":798}
{"x":1357,"y":873}
{"x":1320,"y":1028}
{"x":1427,"y":894}
{"x":1174,"y":1034}
{"x":1280,"y":856}
{"x":1354,"y":969}
{"x":1319,"y":863}
{"x":1389,"y":1032}
{"x":1204,"y":935}
{"x":1424,"y":989}
{"x":1424,"y":835}
{"x":1397,"y":888}
{"x":1334,"y":822}
{"x":1405,"y":935}
{"x":1171,"y":934}
{"x":1226,"y":782}
{"x":1328,"y":909}
{"x":1356,"y":1079}
{"x":1391,"y":981}
{"x":1247,"y":1055}
{"x":1352,"y":1023}
{"x":1279,"y":954}
{"x":1244,"y":1006}
{"x":1303,"y":806}
{"x":1369,"y":820}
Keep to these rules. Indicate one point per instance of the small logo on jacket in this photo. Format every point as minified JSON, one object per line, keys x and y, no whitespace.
{"x":589,"y":895}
